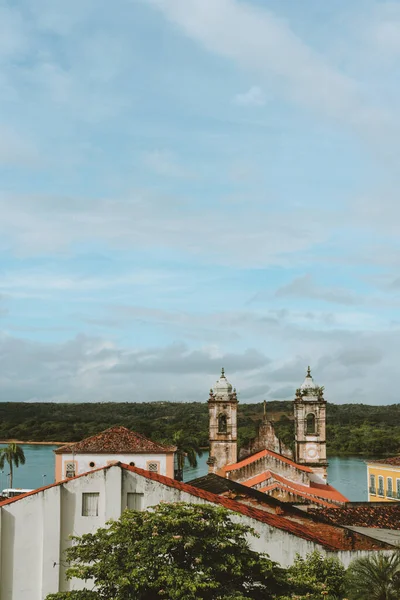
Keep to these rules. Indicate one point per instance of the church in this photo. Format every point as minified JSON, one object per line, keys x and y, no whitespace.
{"x":268,"y":465}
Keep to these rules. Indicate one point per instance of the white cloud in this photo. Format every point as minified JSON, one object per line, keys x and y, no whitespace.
{"x":99,"y":369}
{"x":45,"y":224}
{"x":258,"y":41}
{"x":253,"y":97}
{"x":94,"y":369}
{"x":305,"y":287}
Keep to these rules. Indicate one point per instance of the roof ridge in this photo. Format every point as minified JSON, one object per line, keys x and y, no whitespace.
{"x":258,"y":455}
{"x":310,"y":490}
{"x":81,"y":445}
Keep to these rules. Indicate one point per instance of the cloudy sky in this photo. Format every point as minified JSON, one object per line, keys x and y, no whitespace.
{"x":190,"y":184}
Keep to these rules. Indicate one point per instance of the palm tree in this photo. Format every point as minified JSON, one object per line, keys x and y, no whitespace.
{"x":186,"y":448}
{"x":376,"y":577}
{"x":14,"y":455}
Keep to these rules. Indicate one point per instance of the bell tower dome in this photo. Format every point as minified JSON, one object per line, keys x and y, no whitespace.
{"x":310,"y":427}
{"x":222,"y":409}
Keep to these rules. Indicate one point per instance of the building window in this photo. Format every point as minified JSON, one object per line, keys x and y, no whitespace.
{"x":398,"y":488}
{"x":90,"y":504}
{"x":222,"y":424}
{"x":389,"y":489}
{"x":380,"y":486}
{"x":153,"y":466}
{"x":310,"y":424}
{"x":70,"y":469}
{"x":134,"y":501}
{"x":131,"y":464}
{"x":372,"y":484}
{"x":91,"y":464}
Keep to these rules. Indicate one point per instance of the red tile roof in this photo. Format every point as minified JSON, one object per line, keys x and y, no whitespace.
{"x":392,"y":460}
{"x":316,"y":492}
{"x":277,"y":521}
{"x":257,"y":479}
{"x":276,"y":485}
{"x":385,"y":516}
{"x":116,"y":440}
{"x":259,"y":455}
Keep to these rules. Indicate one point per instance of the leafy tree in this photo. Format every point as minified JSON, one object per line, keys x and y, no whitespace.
{"x":13,"y":455}
{"x":376,"y":577}
{"x":173,"y":552}
{"x":316,"y":576}
{"x":188,"y":448}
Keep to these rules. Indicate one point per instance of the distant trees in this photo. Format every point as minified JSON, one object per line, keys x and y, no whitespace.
{"x":13,"y":455}
{"x":351,"y":428}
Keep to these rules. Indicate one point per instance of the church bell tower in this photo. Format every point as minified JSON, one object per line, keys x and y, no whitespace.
{"x":222,"y":408}
{"x":310,"y":427}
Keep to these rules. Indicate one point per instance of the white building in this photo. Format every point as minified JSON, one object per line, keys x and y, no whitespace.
{"x":111,"y":445}
{"x":35,"y":527}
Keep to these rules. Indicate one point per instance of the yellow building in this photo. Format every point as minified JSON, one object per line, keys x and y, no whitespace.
{"x":384,"y":480}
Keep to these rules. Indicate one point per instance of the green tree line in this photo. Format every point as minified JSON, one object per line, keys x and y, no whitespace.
{"x":351,"y":428}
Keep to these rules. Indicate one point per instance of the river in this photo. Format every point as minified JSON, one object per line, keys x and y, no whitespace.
{"x":346,"y":473}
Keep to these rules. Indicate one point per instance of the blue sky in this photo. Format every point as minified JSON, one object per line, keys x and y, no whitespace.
{"x":190,"y":184}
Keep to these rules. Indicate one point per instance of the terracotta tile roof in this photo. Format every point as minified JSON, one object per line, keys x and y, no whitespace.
{"x":276,"y":485}
{"x":327,"y":540}
{"x":315,"y":492}
{"x":258,"y":456}
{"x":260,"y":515}
{"x":257,"y":479}
{"x":116,"y":440}
{"x":384,"y":516}
{"x":392,"y":460}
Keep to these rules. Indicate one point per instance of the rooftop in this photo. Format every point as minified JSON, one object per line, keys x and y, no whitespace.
{"x":317,"y":534}
{"x":392,"y":460}
{"x":319,"y":493}
{"x":116,"y":440}
{"x":261,"y":454}
{"x":308,"y":383}
{"x":384,"y":516}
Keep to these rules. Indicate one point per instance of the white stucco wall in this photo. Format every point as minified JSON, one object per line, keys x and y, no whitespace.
{"x":35,"y":530}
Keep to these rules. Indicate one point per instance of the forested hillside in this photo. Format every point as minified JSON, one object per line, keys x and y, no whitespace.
{"x":352,"y":428}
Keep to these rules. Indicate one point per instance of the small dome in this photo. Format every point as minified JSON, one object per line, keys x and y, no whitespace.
{"x":309,"y":383}
{"x":222,"y":386}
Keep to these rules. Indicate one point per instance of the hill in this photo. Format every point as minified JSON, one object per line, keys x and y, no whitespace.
{"x":351,"y":428}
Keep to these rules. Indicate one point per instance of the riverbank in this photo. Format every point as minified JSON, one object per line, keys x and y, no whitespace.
{"x":34,"y":443}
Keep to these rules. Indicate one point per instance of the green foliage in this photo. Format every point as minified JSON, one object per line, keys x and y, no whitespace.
{"x":351,"y":428}
{"x":187,"y":448}
{"x":376,"y":577}
{"x":173,"y":552}
{"x":13,"y":455}
{"x":77,"y":595}
{"x":316,"y":576}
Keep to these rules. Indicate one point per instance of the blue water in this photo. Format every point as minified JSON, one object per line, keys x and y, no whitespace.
{"x":347,"y":474}
{"x":38,"y":469}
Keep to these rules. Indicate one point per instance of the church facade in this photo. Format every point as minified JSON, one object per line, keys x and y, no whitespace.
{"x":269,"y":466}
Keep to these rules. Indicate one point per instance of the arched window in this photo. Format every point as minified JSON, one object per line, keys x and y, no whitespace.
{"x":222,"y":424}
{"x":311,"y":424}
{"x":372,"y":484}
